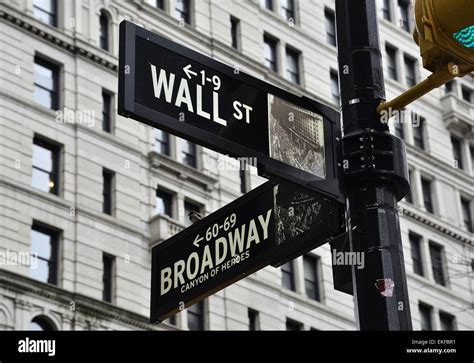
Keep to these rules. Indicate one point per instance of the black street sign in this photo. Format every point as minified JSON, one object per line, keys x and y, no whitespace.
{"x":269,"y":225}
{"x":186,"y":93}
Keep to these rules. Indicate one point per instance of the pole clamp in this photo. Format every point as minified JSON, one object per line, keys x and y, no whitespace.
{"x":371,"y":156}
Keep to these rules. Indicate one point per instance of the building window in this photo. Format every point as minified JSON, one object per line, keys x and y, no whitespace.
{"x":190,"y":207}
{"x":183,"y":10}
{"x":164,"y":202}
{"x":311,"y":282}
{"x":253,"y":320}
{"x":160,"y":4}
{"x":162,"y":142}
{"x":104,"y":40}
{"x":392,"y":62}
{"x":427,"y":196}
{"x":404,"y":7}
{"x":426,"y":321}
{"x":288,"y":10}
{"x":107,"y":277}
{"x":188,"y":152}
{"x":335,"y":93}
{"x":46,"y":84}
{"x":408,"y":197}
{"x":447,"y":321}
{"x":437,"y":263}
{"x":243,"y":180}
{"x":235,"y":32}
{"x":398,"y":127}
{"x":45,"y":173}
{"x":449,"y":87}
{"x":471,"y":151}
{"x":466,"y":94}
{"x":269,"y":51}
{"x":457,"y":152}
{"x":292,"y":325}
{"x":292,"y":65}
{"x":386,"y":12}
{"x":288,"y":276}
{"x":466,"y":214}
{"x":196,"y":317}
{"x":44,"y":245}
{"x":40,"y":323}
{"x":108,"y":190}
{"x":418,"y":131}
{"x":267,"y":4}
{"x":415,"y":247}
{"x":46,"y":11}
{"x":410,"y":71}
{"x":106,"y":111}
{"x":172,"y":320}
{"x":330,"y":27}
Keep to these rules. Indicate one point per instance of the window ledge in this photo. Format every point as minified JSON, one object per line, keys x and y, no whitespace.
{"x":458,"y":114}
{"x":429,"y":283}
{"x":23,"y":285}
{"x":425,"y":156}
{"x":434,"y":221}
{"x":393,"y":26}
{"x":182,"y":171}
{"x":163,"y":227}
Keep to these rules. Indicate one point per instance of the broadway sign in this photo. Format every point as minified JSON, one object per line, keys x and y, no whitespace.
{"x":267,"y":226}
{"x":188,"y":94}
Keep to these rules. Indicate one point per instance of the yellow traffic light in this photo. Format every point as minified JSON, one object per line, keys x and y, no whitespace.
{"x":445,"y":32}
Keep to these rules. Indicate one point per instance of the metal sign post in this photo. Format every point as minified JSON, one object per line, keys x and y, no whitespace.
{"x":376,"y":175}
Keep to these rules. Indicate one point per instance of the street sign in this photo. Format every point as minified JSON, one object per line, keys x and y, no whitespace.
{"x":269,"y":225}
{"x":186,"y":93}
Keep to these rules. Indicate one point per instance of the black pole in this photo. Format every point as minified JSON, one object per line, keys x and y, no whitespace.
{"x":375,"y":172}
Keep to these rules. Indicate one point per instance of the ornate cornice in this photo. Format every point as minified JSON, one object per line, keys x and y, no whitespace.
{"x":430,"y":222}
{"x":86,"y":306}
{"x":65,"y":42}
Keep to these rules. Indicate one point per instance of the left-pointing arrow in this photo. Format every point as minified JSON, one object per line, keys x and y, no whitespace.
{"x":188,"y":71}
{"x":197,"y":240}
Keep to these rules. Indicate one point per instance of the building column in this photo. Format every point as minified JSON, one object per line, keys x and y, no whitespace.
{"x":67,"y":322}
{"x":184,"y":319}
{"x":28,"y":7}
{"x":460,"y":216}
{"x":466,"y":154}
{"x":407,"y":126}
{"x":437,"y":198}
{"x":417,"y":191}
{"x":425,"y":259}
{"x":179,"y":209}
{"x":299,"y":275}
{"x":436,"y":320}
{"x":171,"y":7}
{"x":22,"y":315}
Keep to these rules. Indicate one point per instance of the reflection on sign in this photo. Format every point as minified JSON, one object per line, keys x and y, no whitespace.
{"x":295,"y":212}
{"x":296,"y":136}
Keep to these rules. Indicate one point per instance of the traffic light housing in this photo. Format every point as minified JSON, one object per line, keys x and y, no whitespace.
{"x":445,"y":33}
